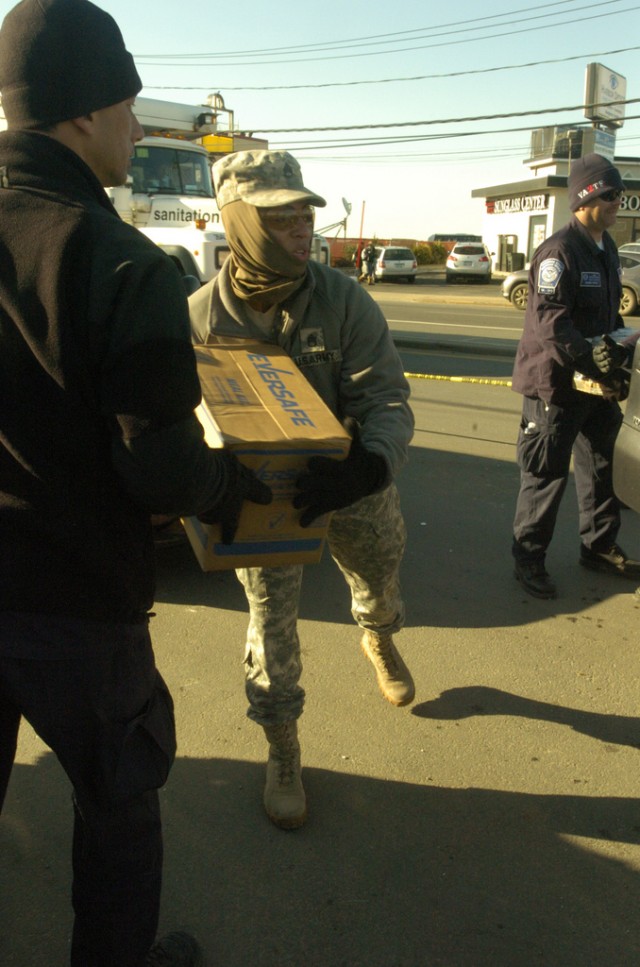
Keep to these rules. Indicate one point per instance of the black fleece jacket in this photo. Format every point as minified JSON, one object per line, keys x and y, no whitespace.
{"x":98,"y":385}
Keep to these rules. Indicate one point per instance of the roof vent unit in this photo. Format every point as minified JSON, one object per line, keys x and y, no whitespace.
{"x":557,"y":143}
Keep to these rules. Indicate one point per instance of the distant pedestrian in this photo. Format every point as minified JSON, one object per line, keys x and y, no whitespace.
{"x":369,"y":263}
{"x":574,"y":298}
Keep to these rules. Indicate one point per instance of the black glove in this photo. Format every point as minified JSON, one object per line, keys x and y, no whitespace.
{"x":616,"y":385}
{"x":609,"y":355}
{"x":242,"y":484}
{"x":329,"y":484}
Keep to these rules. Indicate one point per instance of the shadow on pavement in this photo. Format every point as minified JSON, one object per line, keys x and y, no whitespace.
{"x":457,"y":571}
{"x":385,"y":874}
{"x":462,"y":703}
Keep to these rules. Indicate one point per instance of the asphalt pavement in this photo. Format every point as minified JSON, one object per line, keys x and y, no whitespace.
{"x":430,"y":287}
{"x":494,"y":823}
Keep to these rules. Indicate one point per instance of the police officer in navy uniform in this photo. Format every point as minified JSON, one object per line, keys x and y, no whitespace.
{"x":574,"y":297}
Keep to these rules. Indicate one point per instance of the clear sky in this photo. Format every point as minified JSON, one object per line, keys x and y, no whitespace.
{"x":334,"y":63}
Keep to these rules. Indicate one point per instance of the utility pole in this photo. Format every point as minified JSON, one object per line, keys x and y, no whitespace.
{"x":360,"y":239}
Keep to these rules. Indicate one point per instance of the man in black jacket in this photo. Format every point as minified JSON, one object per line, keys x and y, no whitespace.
{"x":97,"y":432}
{"x":574,"y":298}
{"x":369,"y":262}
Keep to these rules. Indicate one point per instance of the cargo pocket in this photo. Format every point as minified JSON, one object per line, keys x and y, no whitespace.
{"x":148,"y":747}
{"x":540,"y":450}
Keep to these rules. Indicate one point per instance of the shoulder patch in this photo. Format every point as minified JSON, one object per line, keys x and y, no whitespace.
{"x":549,"y":274}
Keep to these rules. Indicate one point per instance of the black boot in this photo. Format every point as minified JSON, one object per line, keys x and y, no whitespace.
{"x":533,"y":577}
{"x":177,"y":949}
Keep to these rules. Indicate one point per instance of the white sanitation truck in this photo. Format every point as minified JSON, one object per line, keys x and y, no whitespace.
{"x":169,"y":195}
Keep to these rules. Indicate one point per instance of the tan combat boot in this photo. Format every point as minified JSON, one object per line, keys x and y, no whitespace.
{"x":394,"y":678}
{"x":284,"y":798}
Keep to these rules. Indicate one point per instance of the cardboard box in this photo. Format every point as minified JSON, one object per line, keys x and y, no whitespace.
{"x":256,"y":402}
{"x":585,"y":385}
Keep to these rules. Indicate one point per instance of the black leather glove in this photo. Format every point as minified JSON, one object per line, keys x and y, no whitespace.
{"x":242,"y":484}
{"x":329,"y":484}
{"x":616,"y":385}
{"x":609,"y":355}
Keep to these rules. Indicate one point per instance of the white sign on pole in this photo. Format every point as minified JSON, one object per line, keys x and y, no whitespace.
{"x":604,"y":96}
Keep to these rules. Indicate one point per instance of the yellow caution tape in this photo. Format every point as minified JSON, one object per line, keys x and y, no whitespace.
{"x":461,"y":379}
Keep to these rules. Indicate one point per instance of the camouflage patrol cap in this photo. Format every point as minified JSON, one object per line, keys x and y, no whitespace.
{"x":261,"y":178}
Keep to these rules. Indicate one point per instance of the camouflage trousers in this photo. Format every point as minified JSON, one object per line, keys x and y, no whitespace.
{"x":367,"y":542}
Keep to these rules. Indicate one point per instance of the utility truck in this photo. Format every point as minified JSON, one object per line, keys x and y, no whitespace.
{"x":169,"y":193}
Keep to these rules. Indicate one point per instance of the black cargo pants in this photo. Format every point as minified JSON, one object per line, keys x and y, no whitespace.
{"x":548,"y":436}
{"x":104,"y":710}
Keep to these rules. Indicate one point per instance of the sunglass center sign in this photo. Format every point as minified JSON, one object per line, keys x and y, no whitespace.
{"x":520,"y":203}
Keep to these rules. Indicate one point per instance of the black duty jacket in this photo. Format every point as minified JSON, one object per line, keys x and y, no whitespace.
{"x":574,"y":294}
{"x":97,"y":389}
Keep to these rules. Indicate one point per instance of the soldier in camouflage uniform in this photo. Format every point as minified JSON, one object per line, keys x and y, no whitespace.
{"x":269,"y":289}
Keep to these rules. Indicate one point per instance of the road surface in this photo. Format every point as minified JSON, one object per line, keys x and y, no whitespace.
{"x":494,"y":823}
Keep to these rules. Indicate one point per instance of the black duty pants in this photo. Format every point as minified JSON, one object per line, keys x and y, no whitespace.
{"x":548,"y":436}
{"x":104,"y":710}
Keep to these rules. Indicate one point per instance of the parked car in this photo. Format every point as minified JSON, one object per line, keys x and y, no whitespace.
{"x":395,"y":262}
{"x":631,"y":248}
{"x":630,"y":281}
{"x":469,"y":260}
{"x":515,"y":286}
{"x":626,"y":453}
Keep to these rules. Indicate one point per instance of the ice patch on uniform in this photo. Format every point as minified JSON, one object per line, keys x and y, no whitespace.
{"x":590,"y":279}
{"x":549,"y":275}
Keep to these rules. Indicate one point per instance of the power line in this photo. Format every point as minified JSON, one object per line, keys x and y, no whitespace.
{"x":402,"y":50}
{"x":332,"y":45}
{"x":399,"y":139}
{"x":416,"y":77}
{"x":413,"y":158}
{"x":475,"y":153}
{"x":405,"y":139}
{"x":408,"y":124}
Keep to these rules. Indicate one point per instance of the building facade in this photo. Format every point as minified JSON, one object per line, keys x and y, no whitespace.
{"x":518,"y":216}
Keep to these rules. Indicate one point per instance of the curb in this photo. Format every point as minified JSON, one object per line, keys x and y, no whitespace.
{"x":456,"y":344}
{"x":449,"y":298}
{"x":459,"y":300}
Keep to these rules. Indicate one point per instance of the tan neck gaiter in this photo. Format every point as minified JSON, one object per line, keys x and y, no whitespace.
{"x":261,"y":272}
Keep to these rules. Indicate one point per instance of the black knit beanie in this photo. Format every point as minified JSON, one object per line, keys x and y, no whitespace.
{"x":62,"y":59}
{"x":591,"y":177}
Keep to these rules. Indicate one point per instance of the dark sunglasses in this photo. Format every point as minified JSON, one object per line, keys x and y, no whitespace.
{"x":285,"y":221}
{"x":612,"y":195}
